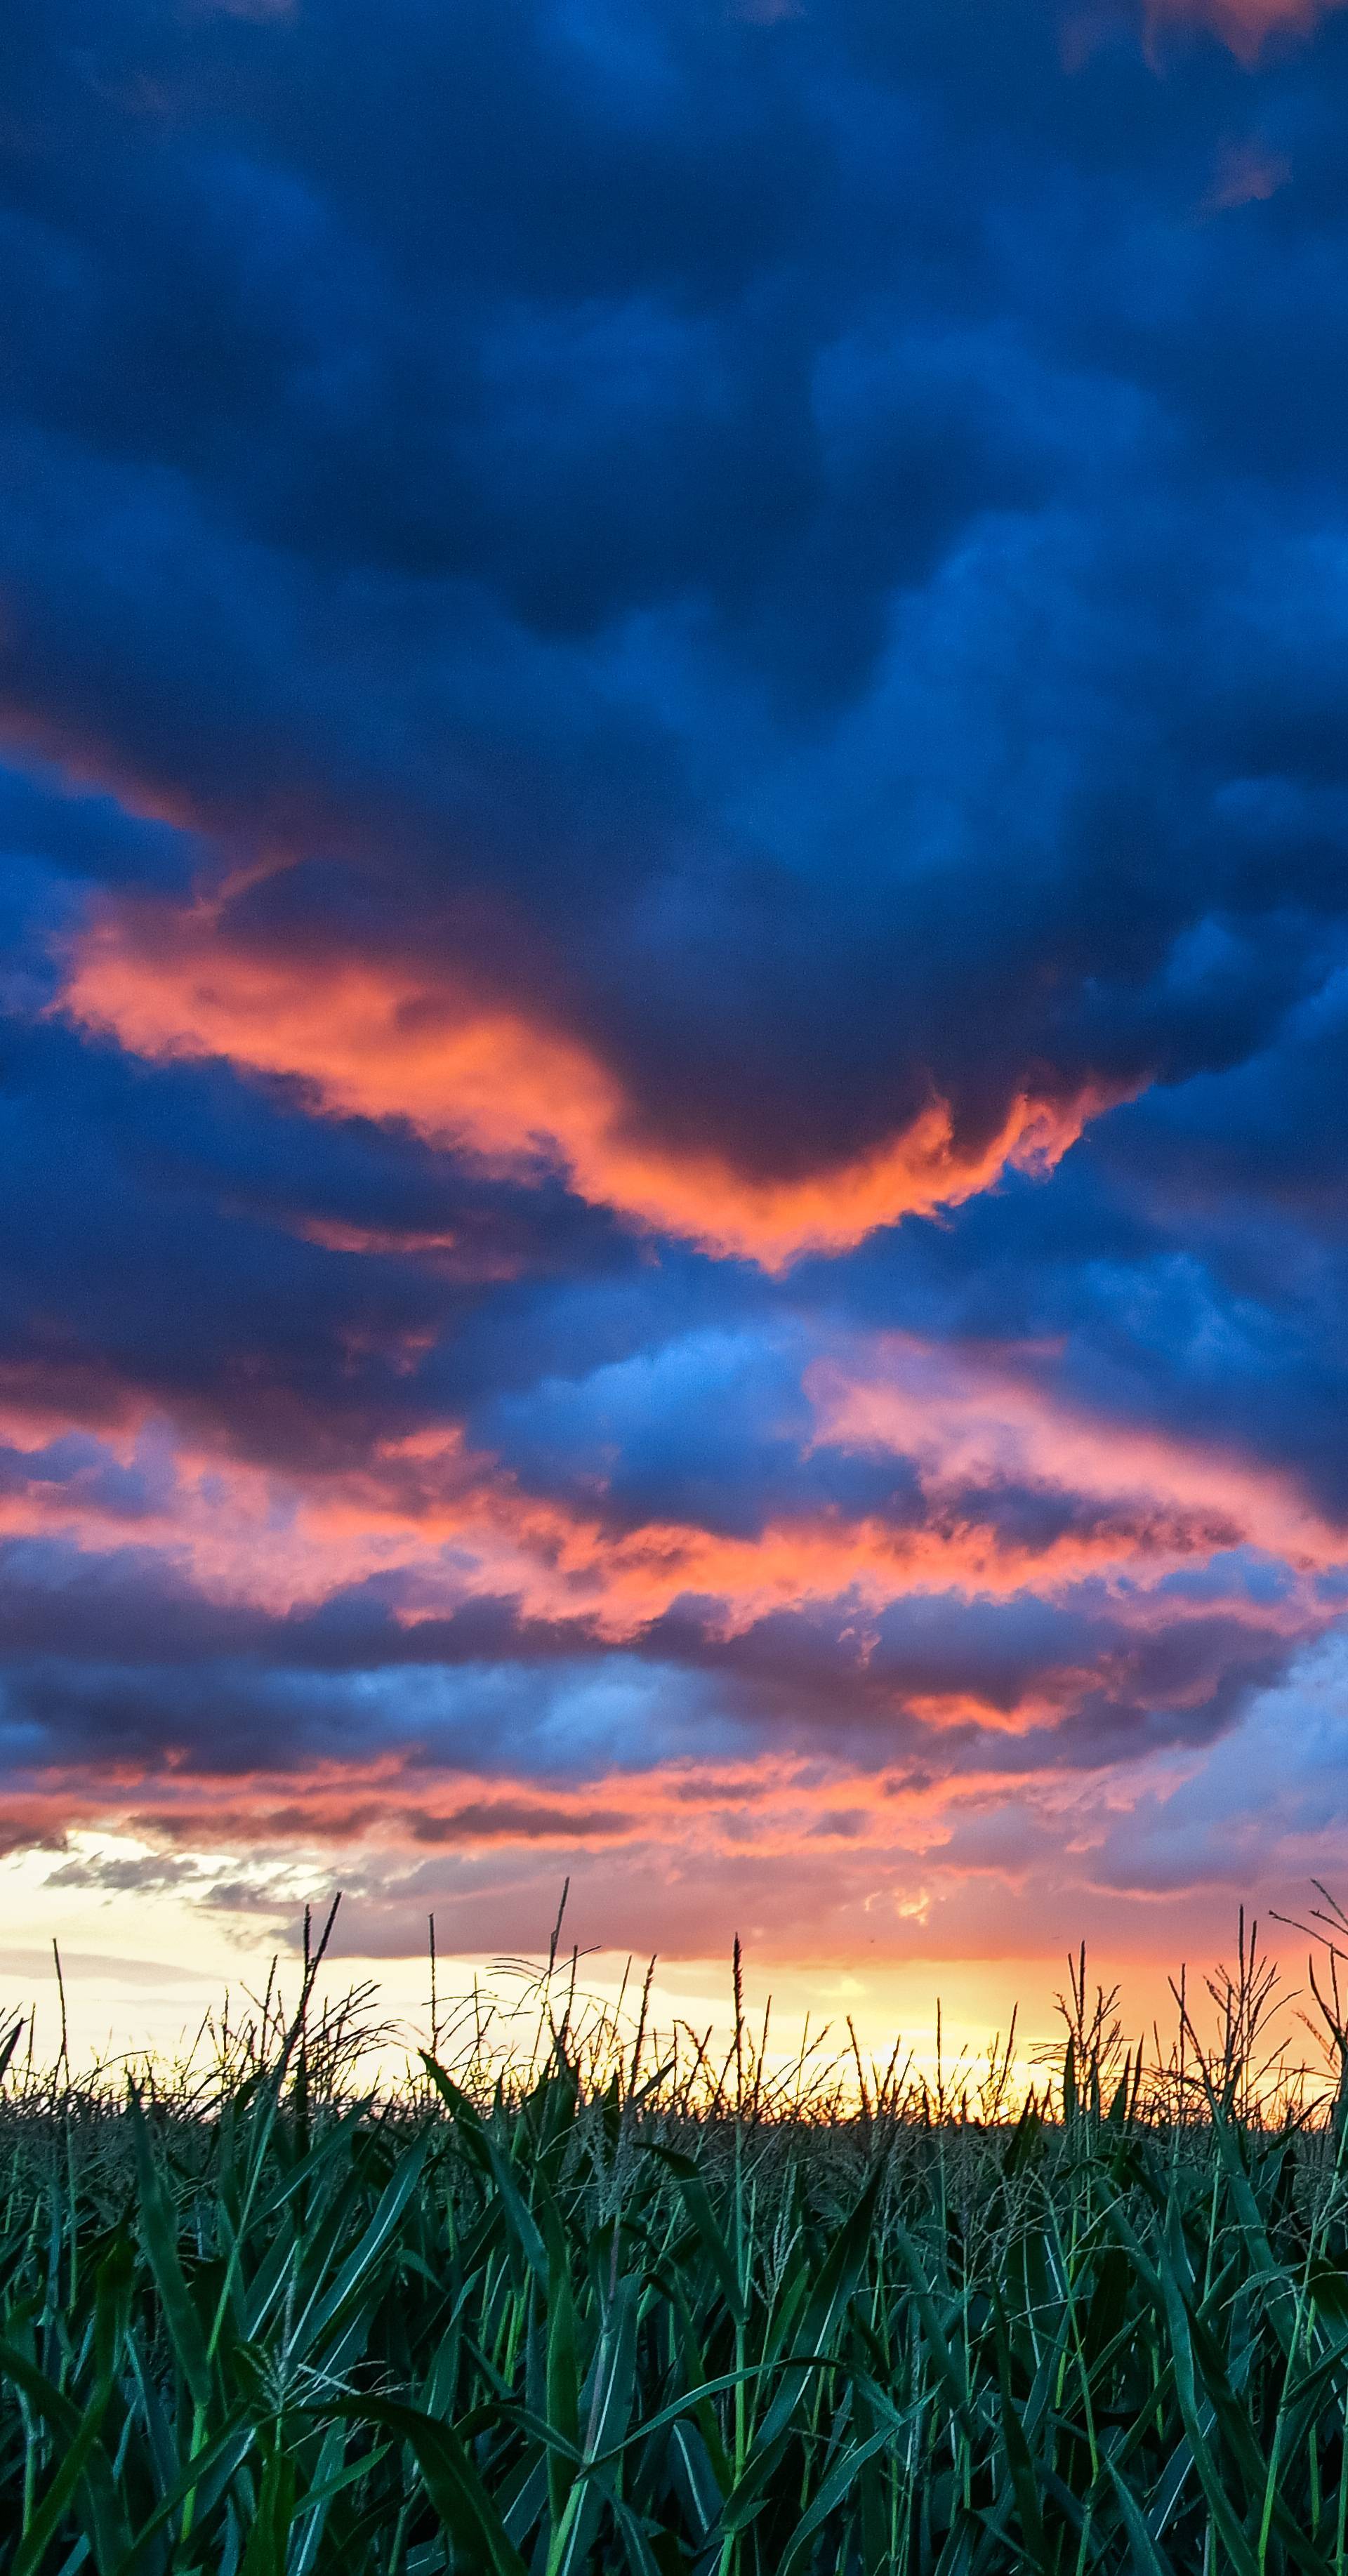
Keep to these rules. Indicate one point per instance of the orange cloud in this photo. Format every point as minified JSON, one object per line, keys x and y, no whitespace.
{"x":773,"y":1808}
{"x":680,"y":1858}
{"x":454,"y":1527}
{"x":492,"y":1083}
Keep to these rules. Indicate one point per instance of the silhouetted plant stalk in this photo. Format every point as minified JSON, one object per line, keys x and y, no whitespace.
{"x":577,"y":2294}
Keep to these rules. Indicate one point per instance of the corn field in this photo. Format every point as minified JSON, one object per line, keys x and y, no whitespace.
{"x":610,"y":2304}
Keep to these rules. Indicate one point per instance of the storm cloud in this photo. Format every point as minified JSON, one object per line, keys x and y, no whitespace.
{"x":674,"y":943}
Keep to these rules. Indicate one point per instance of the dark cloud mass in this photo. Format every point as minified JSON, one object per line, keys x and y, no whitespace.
{"x":673,"y":947}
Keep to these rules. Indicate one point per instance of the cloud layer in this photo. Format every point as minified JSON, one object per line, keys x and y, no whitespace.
{"x":675,"y":962}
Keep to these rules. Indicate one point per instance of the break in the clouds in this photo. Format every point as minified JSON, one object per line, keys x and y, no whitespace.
{"x":675,"y":960}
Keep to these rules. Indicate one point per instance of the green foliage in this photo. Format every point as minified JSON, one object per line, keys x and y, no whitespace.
{"x":563,"y":2325}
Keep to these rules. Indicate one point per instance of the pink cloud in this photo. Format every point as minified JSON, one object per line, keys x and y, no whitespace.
{"x":1247,"y":173}
{"x":978,"y":1418}
{"x":1245,"y":25}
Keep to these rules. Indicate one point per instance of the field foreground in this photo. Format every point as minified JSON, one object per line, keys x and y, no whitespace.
{"x":605,"y":2310}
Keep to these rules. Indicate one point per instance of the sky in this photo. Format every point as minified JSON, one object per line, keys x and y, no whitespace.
{"x":674,"y":969}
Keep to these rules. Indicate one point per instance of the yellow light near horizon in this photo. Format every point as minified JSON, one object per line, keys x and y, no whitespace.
{"x":141,"y":1973}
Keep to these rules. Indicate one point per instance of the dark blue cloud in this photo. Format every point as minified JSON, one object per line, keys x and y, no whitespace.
{"x":167,"y":1235}
{"x":487,"y":454}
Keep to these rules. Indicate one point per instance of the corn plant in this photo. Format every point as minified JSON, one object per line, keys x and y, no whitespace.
{"x":591,"y":2317}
